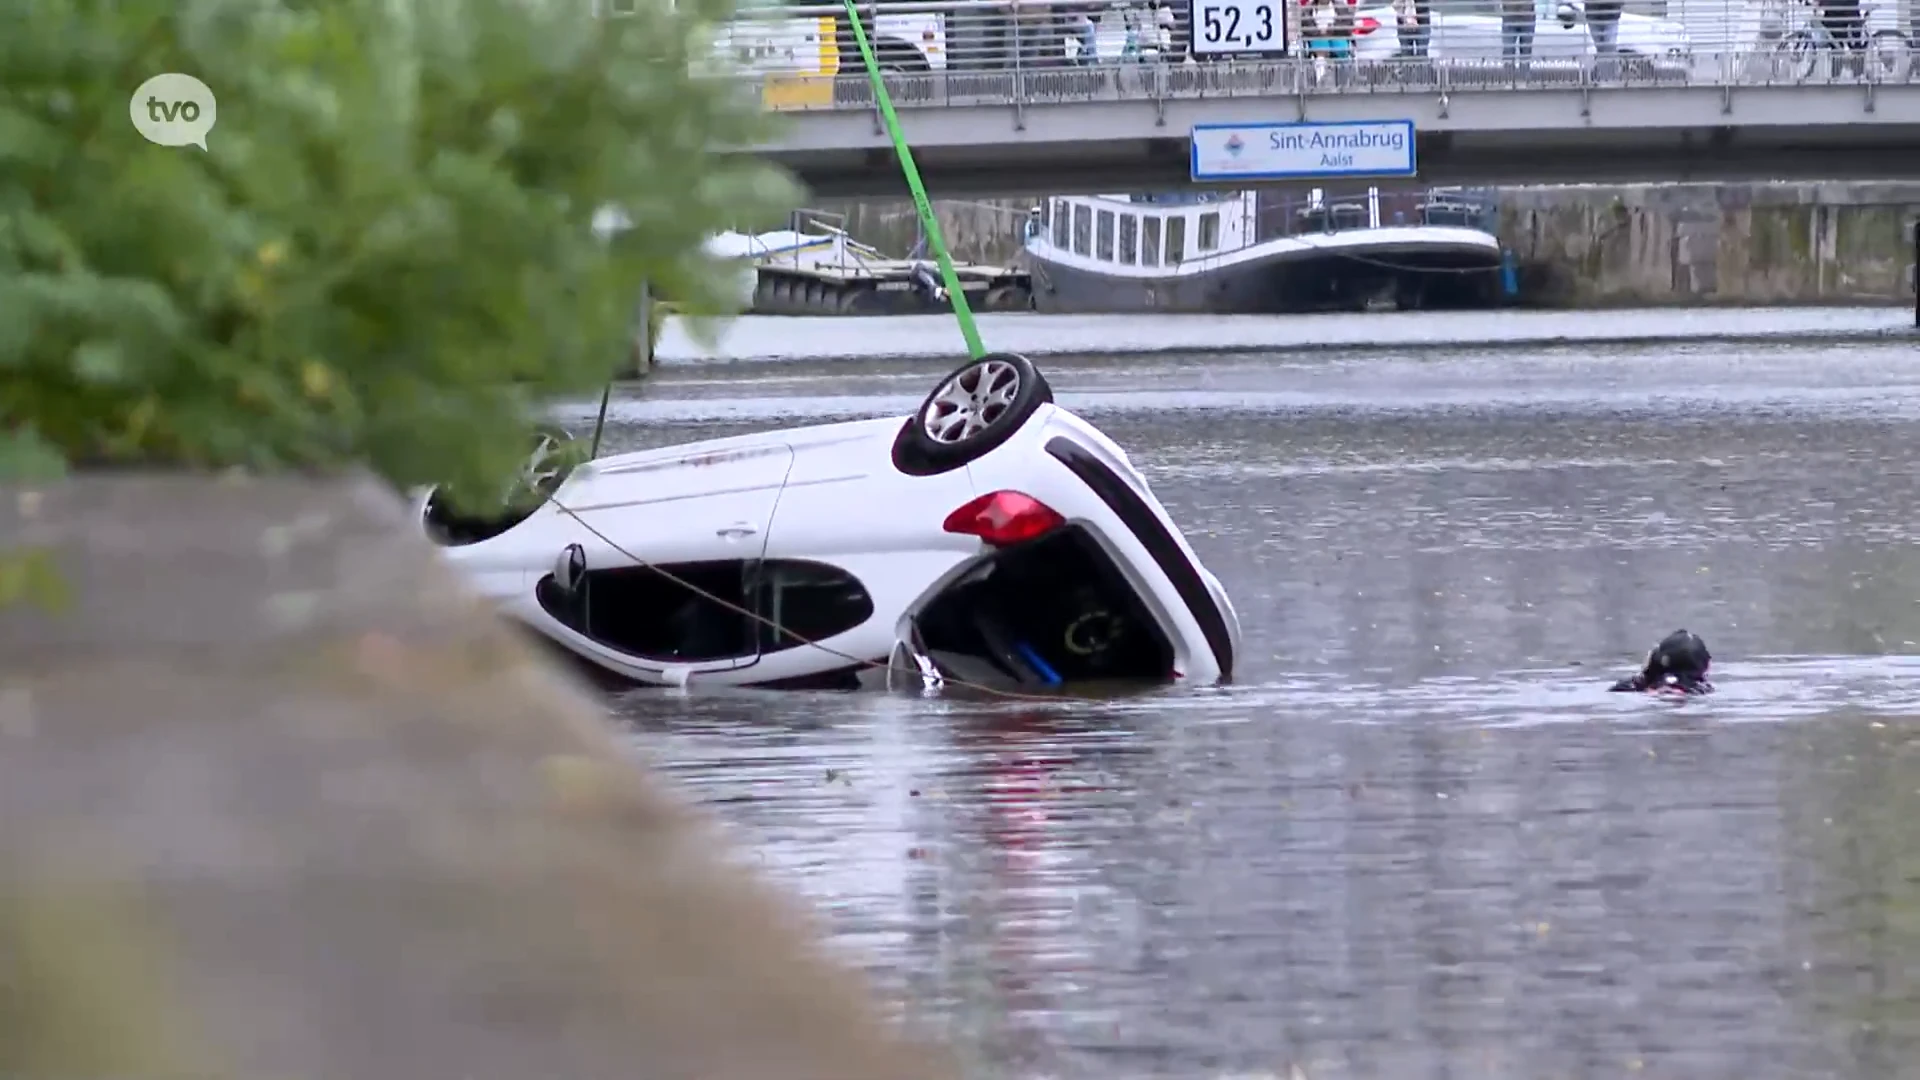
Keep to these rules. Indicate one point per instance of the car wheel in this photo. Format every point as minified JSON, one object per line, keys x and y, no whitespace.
{"x":973,"y":410}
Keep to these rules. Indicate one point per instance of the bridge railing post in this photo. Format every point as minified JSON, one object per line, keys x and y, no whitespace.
{"x":1016,"y":17}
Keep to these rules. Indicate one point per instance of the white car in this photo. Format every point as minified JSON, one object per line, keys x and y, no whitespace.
{"x":992,"y":538}
{"x":1470,"y":30}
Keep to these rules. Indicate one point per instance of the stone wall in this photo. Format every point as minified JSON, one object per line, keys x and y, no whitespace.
{"x":283,"y":798}
{"x":1712,"y":244}
{"x":1583,"y":246}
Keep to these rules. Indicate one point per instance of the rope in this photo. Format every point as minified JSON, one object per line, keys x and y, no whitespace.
{"x":861,"y":661}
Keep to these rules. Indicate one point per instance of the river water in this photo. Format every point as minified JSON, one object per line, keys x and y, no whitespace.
{"x":1417,"y":838}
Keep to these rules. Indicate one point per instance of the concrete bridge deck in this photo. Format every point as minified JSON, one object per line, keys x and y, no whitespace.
{"x":1727,"y":117}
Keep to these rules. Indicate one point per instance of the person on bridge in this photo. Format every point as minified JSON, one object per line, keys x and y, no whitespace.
{"x":1846,"y":24}
{"x":1328,"y":26}
{"x":1517,"y":24}
{"x":1416,"y":27}
{"x":1678,"y":665}
{"x":1603,"y":26}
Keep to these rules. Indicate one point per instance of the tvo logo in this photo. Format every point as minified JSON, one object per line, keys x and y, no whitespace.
{"x":173,"y":110}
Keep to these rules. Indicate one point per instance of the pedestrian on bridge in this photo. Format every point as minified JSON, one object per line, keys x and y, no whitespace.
{"x":1517,"y":24}
{"x":1846,"y":24}
{"x":1416,"y":26}
{"x":1603,"y":26}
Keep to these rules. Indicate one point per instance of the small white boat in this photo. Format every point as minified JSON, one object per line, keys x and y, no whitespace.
{"x":1262,"y":252}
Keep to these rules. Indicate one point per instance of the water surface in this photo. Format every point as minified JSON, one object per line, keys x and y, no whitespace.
{"x":1417,"y":838}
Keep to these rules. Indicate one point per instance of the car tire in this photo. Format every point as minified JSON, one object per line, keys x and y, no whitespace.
{"x":936,"y":440}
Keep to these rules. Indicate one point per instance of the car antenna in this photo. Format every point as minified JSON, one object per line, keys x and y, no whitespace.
{"x":643,"y":362}
{"x":928,"y":224}
{"x":600,"y":422}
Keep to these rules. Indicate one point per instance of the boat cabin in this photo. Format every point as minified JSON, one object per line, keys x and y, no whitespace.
{"x":1166,"y":230}
{"x":1158,"y":230}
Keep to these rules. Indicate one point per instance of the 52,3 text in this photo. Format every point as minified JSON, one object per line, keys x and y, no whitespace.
{"x":1236,"y":26}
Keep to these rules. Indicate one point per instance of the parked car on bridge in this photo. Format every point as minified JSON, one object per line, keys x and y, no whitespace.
{"x":1470,"y":30}
{"x":991,"y":538}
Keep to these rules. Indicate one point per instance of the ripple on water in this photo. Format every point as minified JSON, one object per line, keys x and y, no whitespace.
{"x":1419,"y":837}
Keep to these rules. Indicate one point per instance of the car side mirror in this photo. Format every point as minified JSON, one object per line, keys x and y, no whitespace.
{"x":1567,"y":15}
{"x":570,"y":569}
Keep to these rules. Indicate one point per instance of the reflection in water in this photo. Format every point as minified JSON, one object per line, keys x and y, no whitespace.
{"x":1419,"y":839}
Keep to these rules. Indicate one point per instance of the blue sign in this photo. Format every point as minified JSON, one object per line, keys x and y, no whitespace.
{"x":1303,"y":151}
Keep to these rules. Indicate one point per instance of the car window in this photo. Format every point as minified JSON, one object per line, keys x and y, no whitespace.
{"x":811,"y":601}
{"x":644,"y":613}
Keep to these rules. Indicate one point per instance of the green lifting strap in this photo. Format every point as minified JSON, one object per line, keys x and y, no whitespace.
{"x":920,"y":204}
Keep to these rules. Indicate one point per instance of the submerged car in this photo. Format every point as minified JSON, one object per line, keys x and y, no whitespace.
{"x":992,"y":538}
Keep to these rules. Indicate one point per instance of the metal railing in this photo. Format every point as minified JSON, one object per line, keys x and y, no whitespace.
{"x":997,"y":52}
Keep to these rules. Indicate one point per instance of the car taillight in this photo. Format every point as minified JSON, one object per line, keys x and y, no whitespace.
{"x":1365,"y":26}
{"x":1004,"y":517}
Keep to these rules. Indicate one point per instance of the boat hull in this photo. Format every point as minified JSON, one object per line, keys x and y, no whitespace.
{"x":1345,"y":272}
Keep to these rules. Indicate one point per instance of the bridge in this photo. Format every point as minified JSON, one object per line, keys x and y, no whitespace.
{"x":1765,"y":112}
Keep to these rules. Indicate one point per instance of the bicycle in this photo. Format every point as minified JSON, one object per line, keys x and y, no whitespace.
{"x":1809,"y":39}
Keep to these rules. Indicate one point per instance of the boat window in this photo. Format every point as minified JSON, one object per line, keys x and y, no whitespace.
{"x":634,"y":610}
{"x":810,"y":600}
{"x":1103,"y":237}
{"x":1210,"y":231}
{"x":1083,"y":230}
{"x":1129,"y":238}
{"x":1150,"y":241}
{"x":1062,"y":224}
{"x":1176,"y":239}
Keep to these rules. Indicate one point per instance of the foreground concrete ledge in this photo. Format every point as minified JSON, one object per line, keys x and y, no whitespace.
{"x":279,"y":799}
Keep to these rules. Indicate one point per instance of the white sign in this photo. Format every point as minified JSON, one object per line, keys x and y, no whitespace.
{"x":1238,"y":27}
{"x":1303,"y":151}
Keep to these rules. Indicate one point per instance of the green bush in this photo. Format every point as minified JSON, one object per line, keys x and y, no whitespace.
{"x":383,"y":258}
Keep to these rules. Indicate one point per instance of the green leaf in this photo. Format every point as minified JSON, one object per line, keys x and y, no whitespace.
{"x":383,"y":258}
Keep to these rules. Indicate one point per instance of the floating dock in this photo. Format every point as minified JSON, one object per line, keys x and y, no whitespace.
{"x":823,"y":271}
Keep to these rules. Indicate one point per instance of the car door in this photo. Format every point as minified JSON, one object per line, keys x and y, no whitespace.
{"x":849,"y":513}
{"x":701,"y":517}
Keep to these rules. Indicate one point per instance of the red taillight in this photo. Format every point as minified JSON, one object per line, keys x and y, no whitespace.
{"x":1365,"y":26}
{"x":1003,"y":518}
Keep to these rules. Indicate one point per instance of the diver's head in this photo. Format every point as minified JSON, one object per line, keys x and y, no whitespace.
{"x":1680,"y":659}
